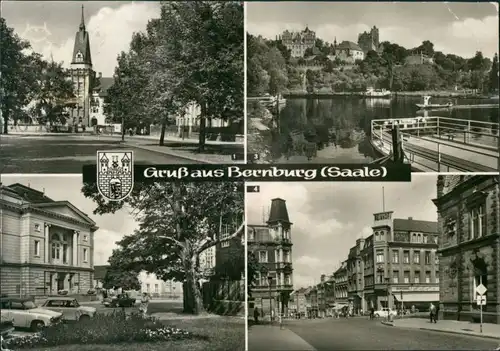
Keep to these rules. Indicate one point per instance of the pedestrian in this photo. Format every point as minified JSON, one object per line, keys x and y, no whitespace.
{"x":432,"y":310}
{"x":143,"y":308}
{"x":372,"y":313}
{"x":256,"y":315}
{"x":436,"y":316}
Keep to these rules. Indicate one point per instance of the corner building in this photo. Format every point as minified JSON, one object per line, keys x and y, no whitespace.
{"x":469,"y":217}
{"x":271,"y":243}
{"x":45,"y":245}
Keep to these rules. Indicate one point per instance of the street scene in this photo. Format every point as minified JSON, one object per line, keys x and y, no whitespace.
{"x":73,"y":86}
{"x":321,"y":277}
{"x":413,"y":83}
{"x":76,"y":275}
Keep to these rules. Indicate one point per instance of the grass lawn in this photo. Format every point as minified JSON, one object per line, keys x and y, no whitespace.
{"x":224,"y":334}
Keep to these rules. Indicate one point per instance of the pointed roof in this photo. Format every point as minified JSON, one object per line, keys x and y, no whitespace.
{"x":278,"y":212}
{"x":81,"y":50}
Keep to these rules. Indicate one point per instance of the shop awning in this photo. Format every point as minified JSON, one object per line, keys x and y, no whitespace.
{"x":418,"y":297}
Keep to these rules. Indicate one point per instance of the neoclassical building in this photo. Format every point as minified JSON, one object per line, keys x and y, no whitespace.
{"x":469,"y":246}
{"x":45,"y":245}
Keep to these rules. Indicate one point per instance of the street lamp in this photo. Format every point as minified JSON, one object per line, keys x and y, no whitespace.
{"x":270,"y":281}
{"x":387,"y":280}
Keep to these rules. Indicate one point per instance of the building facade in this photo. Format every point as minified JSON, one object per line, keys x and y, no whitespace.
{"x":349,"y":52}
{"x":298,"y":42}
{"x":355,"y":277}
{"x":418,"y":59}
{"x":401,"y":267}
{"x":469,"y":246}
{"x":341,"y":289}
{"x":370,"y":41}
{"x":46,"y":246}
{"x":157,"y":287}
{"x":271,"y":243}
{"x":99,"y":94}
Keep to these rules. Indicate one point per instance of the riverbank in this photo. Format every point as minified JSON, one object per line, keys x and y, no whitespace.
{"x":438,"y":94}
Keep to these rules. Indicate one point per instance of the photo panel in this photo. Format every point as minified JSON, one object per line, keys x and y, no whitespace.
{"x":163,"y":78}
{"x":162,"y":269}
{"x":373,"y":266}
{"x":381,"y":83}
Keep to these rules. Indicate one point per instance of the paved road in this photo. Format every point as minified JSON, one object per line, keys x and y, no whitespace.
{"x":363,"y":334}
{"x":66,"y":154}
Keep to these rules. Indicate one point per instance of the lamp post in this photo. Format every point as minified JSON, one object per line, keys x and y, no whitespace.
{"x":270,"y":281}
{"x":387,"y":280}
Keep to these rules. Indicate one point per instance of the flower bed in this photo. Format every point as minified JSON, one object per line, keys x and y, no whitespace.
{"x":104,"y":329}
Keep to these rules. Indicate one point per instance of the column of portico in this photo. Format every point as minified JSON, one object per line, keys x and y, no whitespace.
{"x":75,"y":248}
{"x":46,"y":233}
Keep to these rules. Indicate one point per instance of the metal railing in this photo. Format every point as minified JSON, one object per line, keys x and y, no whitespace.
{"x":478,"y":137}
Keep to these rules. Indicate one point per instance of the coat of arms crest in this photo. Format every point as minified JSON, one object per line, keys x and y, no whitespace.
{"x":115,"y":174}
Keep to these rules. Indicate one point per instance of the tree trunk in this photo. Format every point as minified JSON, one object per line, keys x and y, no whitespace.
{"x":201,"y":137}
{"x":193,"y":302}
{"x":6,"y":121}
{"x":162,"y":133}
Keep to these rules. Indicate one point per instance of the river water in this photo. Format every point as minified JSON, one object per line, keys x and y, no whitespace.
{"x":349,"y":120}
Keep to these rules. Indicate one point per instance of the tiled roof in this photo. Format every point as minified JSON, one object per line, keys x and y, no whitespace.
{"x":412,"y":225}
{"x":349,"y":45}
{"x":29,"y":194}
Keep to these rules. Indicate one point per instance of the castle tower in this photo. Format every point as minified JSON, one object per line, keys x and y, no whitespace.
{"x":82,"y":75}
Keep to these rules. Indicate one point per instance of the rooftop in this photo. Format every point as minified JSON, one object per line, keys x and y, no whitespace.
{"x":349,"y":45}
{"x":412,"y":225}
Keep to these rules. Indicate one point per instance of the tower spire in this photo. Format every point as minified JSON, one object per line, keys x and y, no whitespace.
{"x":82,"y":22}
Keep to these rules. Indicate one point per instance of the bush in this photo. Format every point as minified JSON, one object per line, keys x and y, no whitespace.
{"x":103,"y":329}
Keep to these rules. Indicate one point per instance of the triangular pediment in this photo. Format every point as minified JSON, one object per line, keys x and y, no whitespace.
{"x":65,"y":208}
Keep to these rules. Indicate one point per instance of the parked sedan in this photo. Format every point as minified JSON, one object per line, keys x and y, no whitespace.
{"x":70,"y":308}
{"x":24,"y":313}
{"x":385,"y":312}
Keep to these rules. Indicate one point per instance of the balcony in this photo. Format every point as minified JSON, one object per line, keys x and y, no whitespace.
{"x":285,"y":266}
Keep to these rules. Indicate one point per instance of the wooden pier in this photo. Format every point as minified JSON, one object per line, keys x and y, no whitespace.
{"x":441,"y":144}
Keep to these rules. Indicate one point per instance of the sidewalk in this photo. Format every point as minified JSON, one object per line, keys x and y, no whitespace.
{"x":266,"y":337}
{"x":490,"y":330}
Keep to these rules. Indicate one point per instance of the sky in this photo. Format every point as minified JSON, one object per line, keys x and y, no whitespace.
{"x":458,"y":28}
{"x":328,"y":217}
{"x":112,"y":227}
{"x":50,"y":27}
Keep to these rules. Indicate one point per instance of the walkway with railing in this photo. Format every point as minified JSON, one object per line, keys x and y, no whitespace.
{"x":441,"y":144}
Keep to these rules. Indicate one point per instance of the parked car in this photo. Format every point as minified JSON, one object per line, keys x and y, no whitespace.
{"x":24,"y":313}
{"x":385,"y":312}
{"x":121,"y":300}
{"x":70,"y":308}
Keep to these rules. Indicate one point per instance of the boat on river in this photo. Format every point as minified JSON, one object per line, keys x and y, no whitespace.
{"x":377,"y":93}
{"x":427,"y":105}
{"x":271,"y":101}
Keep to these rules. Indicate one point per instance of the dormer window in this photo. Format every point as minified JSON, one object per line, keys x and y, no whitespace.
{"x":79,"y":57}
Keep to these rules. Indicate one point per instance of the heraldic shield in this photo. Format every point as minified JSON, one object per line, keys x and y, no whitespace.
{"x":115,"y":174}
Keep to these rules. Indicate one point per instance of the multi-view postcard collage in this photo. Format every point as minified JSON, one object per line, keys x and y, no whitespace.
{"x":222,"y":175}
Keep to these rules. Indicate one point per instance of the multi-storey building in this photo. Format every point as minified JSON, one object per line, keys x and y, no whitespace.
{"x":400,"y":263}
{"x":298,"y":42}
{"x":469,"y":246}
{"x":355,"y":276}
{"x":271,"y":243}
{"x":341,"y":288}
{"x":326,"y":296}
{"x":369,"y":41}
{"x":45,"y":245}
{"x":349,"y":52}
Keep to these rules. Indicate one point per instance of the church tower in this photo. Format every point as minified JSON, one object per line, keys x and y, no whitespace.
{"x":82,"y":76}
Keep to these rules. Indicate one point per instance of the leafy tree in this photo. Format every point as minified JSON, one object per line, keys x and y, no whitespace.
{"x":230,"y":262}
{"x":177,"y":221}
{"x":119,"y":274}
{"x":493,"y":76}
{"x":15,"y":76}
{"x":426,"y":48}
{"x":53,"y":91}
{"x":479,"y":63}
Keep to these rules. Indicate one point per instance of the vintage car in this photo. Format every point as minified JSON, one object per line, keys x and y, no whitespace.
{"x":121,"y":300}
{"x":24,"y":313}
{"x":70,"y":308}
